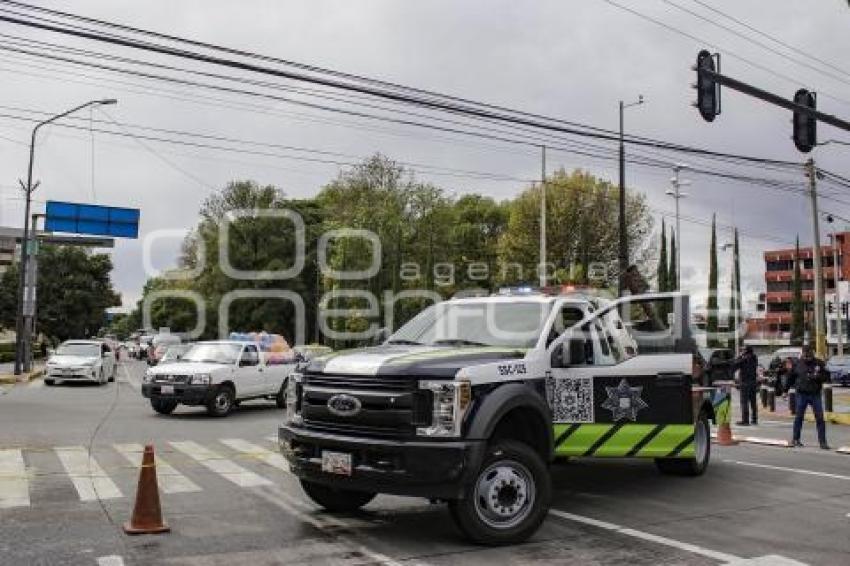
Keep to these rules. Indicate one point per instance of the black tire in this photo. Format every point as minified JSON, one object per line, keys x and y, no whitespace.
{"x":697,"y":465}
{"x":49,"y":382}
{"x":280,"y":398}
{"x":163,"y":407}
{"x":222,"y":402}
{"x":336,"y":500}
{"x":513,"y":470}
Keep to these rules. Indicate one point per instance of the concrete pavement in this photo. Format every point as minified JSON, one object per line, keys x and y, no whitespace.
{"x":68,"y":471}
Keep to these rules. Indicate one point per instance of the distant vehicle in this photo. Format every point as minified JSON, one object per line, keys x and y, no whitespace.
{"x":793,"y":352}
{"x":839,"y":369}
{"x":159,"y":344}
{"x":144,"y":346}
{"x":217,"y":375}
{"x":81,"y":360}
{"x":174,"y":353}
{"x":718,"y":363}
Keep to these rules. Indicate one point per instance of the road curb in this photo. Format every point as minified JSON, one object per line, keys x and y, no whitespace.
{"x":843,"y":450}
{"x":758,"y":440}
{"x":8,"y":379}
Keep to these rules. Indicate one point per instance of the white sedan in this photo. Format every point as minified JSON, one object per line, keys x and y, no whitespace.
{"x":81,"y":360}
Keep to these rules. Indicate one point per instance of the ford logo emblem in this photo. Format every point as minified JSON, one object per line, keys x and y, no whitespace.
{"x":344,"y":405}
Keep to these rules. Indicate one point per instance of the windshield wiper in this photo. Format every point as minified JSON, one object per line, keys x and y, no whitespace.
{"x":405,"y":342}
{"x":457,"y":342}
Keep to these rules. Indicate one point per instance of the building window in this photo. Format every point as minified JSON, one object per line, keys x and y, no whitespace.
{"x":780,"y":265}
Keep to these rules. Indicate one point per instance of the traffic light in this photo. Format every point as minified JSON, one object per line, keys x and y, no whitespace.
{"x":708,"y":89}
{"x":805,"y":126}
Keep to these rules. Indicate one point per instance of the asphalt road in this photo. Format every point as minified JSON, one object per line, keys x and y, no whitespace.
{"x":228,"y":497}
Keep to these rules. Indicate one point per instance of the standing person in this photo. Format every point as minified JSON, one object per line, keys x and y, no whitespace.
{"x":807,"y":378}
{"x":747,"y":365}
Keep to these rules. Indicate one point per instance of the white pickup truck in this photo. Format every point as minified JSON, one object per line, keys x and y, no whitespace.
{"x":217,"y":375}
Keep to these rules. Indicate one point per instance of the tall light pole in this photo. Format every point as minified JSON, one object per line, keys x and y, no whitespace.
{"x":677,"y":194}
{"x":542,"y":273}
{"x":23,"y":322}
{"x":736,"y":297}
{"x":624,"y":241}
{"x":836,"y":276}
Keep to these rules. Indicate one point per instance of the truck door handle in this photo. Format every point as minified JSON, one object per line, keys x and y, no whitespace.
{"x":669,"y":379}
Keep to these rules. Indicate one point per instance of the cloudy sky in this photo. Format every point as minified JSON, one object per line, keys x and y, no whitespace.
{"x":572,"y":60}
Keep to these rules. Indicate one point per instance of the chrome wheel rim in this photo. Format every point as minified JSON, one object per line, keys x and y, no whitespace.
{"x":222,"y":401}
{"x":504,"y":494}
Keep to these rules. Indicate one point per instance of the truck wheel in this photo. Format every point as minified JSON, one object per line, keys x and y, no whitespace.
{"x":336,"y":500}
{"x":221,"y":403}
{"x":697,"y":465}
{"x":163,"y":407}
{"x":509,"y":498}
{"x":49,"y":382}
{"x":280,"y":398}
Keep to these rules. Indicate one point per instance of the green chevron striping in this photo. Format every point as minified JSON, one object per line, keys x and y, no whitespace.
{"x":666,"y":441}
{"x":621,"y":443}
{"x":583,"y":438}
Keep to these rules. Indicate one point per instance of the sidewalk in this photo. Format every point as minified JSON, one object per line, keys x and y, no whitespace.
{"x":840,"y":408}
{"x":7,"y":373}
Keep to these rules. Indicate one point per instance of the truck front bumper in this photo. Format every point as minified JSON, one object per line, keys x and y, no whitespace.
{"x":183,"y":393}
{"x":435,"y":469}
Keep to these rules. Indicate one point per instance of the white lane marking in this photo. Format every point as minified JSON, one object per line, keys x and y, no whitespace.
{"x":325,"y":523}
{"x":112,"y":560}
{"x":128,"y":379}
{"x":169,"y":479}
{"x":843,"y":450}
{"x":769,"y":560}
{"x":792,"y":470}
{"x":220,"y":465}
{"x":89,"y":479}
{"x":14,"y":484}
{"x":721,"y":556}
{"x":273,"y":459}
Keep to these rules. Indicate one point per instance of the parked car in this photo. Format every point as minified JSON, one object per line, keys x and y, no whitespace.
{"x":81,"y":360}
{"x":839,"y":369}
{"x":718,"y":363}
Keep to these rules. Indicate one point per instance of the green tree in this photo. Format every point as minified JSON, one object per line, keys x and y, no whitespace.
{"x":711,"y":307}
{"x":662,"y":260}
{"x":673,"y":275}
{"x":74,"y":291}
{"x":798,"y":329}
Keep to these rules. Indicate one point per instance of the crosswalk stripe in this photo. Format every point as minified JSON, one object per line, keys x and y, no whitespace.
{"x":89,"y":479}
{"x":169,"y":479}
{"x":14,"y":486}
{"x":273,"y":459}
{"x":220,"y":465}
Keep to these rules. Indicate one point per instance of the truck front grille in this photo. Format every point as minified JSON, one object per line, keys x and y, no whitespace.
{"x":389,"y":406}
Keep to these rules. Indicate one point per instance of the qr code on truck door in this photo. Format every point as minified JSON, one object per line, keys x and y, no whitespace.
{"x":573,"y":400}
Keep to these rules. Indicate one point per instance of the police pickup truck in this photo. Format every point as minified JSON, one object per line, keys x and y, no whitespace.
{"x":217,"y":375}
{"x":471,"y":400}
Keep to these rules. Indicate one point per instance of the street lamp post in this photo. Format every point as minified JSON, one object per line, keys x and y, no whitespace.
{"x":624,"y":242}
{"x":836,"y":276}
{"x":736,"y":297}
{"x":23,"y":322}
{"x":677,"y":194}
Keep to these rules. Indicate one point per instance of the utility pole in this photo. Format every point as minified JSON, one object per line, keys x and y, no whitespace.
{"x":677,"y":194}
{"x":820,"y":336}
{"x":623,"y":255}
{"x":24,"y":323}
{"x":542,"y":216}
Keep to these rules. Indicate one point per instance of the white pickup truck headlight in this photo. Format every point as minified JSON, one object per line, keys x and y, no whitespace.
{"x":451,"y":400}
{"x":293,"y":405}
{"x":200,"y":379}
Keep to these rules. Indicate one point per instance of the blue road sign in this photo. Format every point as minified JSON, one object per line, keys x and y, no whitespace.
{"x":92,"y":219}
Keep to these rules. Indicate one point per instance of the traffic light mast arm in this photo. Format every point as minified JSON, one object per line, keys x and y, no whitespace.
{"x":756,"y":92}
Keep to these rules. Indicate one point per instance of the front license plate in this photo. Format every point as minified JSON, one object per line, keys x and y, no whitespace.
{"x":336,"y":463}
{"x":166,"y":390}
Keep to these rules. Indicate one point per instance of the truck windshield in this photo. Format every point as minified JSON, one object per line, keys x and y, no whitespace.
{"x":213,"y":353}
{"x":485,"y":323}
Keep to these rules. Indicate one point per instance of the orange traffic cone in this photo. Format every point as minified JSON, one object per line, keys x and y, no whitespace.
{"x":724,"y":435}
{"x":147,"y":514}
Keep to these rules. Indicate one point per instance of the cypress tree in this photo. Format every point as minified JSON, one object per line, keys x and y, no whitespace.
{"x":673,"y":275}
{"x":711,"y":307}
{"x":663,"y":284}
{"x":797,"y":317}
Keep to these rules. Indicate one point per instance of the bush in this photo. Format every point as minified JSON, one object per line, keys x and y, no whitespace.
{"x":6,"y":357}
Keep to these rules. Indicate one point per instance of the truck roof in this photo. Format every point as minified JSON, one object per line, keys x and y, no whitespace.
{"x":528,"y":298}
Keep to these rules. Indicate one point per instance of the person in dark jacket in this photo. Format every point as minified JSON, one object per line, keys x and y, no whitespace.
{"x":807,"y":379}
{"x":747,"y":365}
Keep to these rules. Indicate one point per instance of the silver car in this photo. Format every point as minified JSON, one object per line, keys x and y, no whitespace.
{"x":81,"y":360}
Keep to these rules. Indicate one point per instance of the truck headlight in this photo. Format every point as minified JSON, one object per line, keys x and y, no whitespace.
{"x":293,"y":401}
{"x":200,"y":379}
{"x":451,"y":400}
